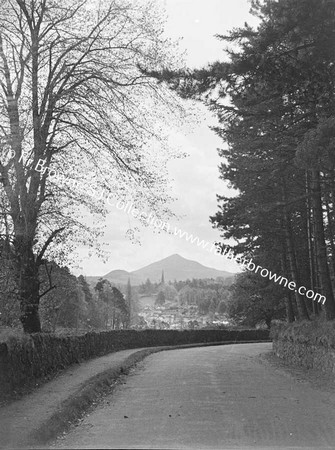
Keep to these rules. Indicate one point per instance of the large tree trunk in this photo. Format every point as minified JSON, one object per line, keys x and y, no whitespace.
{"x":289,"y":241}
{"x":287,"y":299}
{"x":28,"y":286}
{"x":311,"y":247}
{"x":321,"y":248}
{"x":300,"y":301}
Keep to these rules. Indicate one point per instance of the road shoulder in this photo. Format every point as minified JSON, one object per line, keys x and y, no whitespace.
{"x":315,"y":378}
{"x":41,"y":415}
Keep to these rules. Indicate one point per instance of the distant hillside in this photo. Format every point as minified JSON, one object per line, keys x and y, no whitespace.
{"x":122,"y":276}
{"x":175,"y":268}
{"x":117,"y":277}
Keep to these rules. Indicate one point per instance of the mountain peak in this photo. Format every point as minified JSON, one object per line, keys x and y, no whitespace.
{"x":176,"y":267}
{"x":174,"y":256}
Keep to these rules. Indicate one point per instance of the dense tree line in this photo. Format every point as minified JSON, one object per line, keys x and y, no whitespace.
{"x":279,"y":125}
{"x":69,"y":303}
{"x":254,"y":301}
{"x":116,"y":312}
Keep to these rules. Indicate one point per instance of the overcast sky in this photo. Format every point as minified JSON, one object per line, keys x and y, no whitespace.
{"x":195,"y":179}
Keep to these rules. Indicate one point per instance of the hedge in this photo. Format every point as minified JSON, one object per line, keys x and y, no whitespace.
{"x":33,"y":357}
{"x":310,"y":344}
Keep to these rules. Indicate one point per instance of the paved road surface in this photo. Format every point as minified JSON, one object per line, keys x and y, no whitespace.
{"x":216,"y":397}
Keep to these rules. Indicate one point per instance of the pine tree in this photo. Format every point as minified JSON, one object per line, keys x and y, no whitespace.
{"x":279,"y":127}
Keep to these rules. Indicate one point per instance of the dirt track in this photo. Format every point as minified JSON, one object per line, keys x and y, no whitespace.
{"x":210,"y":397}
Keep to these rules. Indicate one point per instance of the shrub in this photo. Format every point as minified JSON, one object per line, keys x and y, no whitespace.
{"x":315,"y":332}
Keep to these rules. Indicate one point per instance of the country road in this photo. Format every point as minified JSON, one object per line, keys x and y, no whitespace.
{"x":216,"y":397}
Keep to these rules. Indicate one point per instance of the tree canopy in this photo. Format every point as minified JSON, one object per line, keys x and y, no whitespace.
{"x":79,"y":121}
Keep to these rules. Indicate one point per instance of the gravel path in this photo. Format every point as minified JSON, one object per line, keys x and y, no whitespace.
{"x":218,"y":397}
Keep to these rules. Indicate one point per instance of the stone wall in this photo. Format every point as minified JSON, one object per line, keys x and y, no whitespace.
{"x":307,"y":344}
{"x":26,"y":360}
